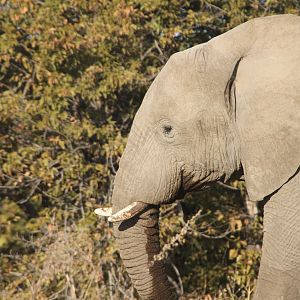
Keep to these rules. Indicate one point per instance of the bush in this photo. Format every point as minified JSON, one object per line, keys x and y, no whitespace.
{"x":72,"y":75}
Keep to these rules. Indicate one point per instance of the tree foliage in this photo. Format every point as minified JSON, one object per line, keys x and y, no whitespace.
{"x":72,"y":75}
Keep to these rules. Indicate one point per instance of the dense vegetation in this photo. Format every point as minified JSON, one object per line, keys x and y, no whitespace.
{"x":72,"y":75}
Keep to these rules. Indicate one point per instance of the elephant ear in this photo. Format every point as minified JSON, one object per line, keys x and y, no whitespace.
{"x":267,"y":94}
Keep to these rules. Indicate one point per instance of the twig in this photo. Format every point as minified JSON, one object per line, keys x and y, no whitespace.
{"x":80,"y":148}
{"x":215,"y":237}
{"x":179,"y":278}
{"x":227,"y":186}
{"x":31,"y":192}
{"x":178,"y":239}
{"x":12,"y":187}
{"x":110,"y":285}
{"x":28,"y":84}
{"x":71,"y":285}
{"x":48,"y":195}
{"x":163,"y":58}
{"x":174,"y":283}
{"x":116,"y":280}
{"x":111,"y":164}
{"x":20,"y":69}
{"x":216,"y":7}
{"x":143,"y":56}
{"x":158,"y":48}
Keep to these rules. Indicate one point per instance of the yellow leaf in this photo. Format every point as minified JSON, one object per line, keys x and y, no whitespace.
{"x":23,"y":10}
{"x":235,"y":225}
{"x":233,"y":253}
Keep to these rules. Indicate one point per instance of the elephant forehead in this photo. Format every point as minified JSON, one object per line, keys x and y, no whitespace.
{"x":172,"y":97}
{"x":174,"y":103}
{"x":179,"y":73}
{"x":179,"y":91}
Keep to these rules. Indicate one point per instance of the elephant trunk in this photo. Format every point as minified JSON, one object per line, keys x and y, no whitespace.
{"x":139,"y":187}
{"x":138,"y":239}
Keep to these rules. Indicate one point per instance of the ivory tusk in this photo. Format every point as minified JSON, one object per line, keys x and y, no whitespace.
{"x":104,"y":212}
{"x":125,"y":213}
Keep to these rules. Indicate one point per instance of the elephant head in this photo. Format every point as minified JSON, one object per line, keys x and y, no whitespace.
{"x":207,"y":114}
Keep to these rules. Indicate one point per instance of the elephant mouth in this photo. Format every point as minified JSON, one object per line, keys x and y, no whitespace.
{"x":131,"y":210}
{"x":137,"y":207}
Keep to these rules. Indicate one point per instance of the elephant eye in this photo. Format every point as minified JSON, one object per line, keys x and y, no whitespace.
{"x":167,"y":129}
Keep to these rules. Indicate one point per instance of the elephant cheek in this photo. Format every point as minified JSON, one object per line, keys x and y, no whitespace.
{"x":138,"y":240}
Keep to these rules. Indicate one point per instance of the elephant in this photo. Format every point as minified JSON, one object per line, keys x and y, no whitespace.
{"x":229,"y":105}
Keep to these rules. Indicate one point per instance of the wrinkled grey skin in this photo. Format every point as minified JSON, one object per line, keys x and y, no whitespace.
{"x":229,"y":103}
